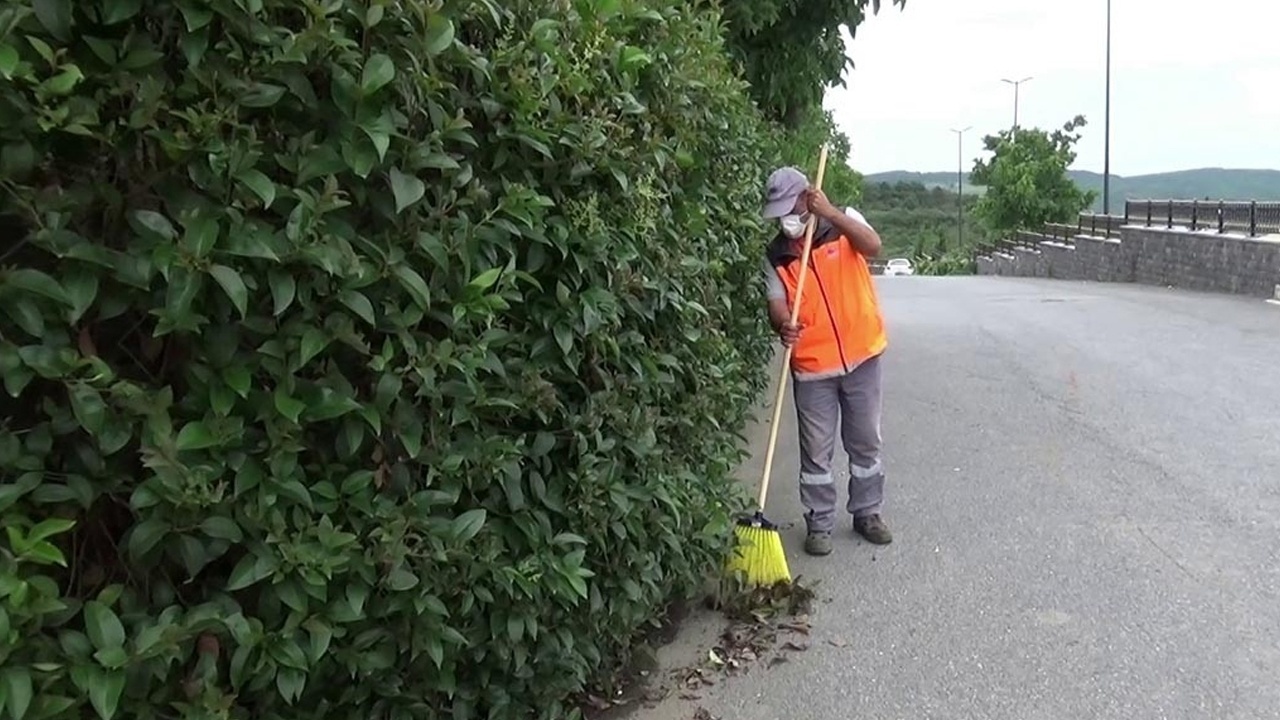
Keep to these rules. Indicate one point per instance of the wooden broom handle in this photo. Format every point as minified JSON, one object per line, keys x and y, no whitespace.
{"x":810,"y":227}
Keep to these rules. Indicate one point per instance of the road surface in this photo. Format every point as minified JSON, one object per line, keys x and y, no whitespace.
{"x":1084,"y":485}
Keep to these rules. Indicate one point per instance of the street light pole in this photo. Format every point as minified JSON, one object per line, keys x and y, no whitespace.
{"x":1106,"y":133}
{"x":1016,"y":86}
{"x":960,"y":185}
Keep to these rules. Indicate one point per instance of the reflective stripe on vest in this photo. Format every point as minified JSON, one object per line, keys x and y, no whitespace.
{"x":839,"y":313}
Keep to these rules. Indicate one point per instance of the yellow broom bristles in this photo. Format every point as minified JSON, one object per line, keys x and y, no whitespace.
{"x":759,"y":556}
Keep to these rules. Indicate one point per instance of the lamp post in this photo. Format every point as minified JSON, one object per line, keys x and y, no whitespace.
{"x":960,"y":185}
{"x":1016,"y":85}
{"x":1106,"y":133}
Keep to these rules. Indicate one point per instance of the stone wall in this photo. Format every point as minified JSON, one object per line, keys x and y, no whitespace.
{"x":1154,"y":256}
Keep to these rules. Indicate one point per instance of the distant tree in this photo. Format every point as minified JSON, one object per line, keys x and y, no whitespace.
{"x":792,"y":50}
{"x":1026,"y":178}
{"x":918,"y":222}
{"x":803,"y":145}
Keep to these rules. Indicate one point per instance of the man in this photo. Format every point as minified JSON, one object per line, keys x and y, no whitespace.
{"x":836,"y":346}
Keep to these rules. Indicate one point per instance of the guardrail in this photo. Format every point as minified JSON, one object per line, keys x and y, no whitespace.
{"x":1086,"y":224}
{"x":1251,"y":218}
{"x":1100,"y":225}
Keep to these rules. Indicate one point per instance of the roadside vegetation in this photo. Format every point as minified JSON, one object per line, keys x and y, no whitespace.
{"x":378,"y":358}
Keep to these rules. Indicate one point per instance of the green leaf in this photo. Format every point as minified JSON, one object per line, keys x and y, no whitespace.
{"x":261,"y":186}
{"x":291,"y":594}
{"x":283,"y":289}
{"x":12,"y":491}
{"x":321,"y":636}
{"x":407,"y":189}
{"x":361,"y":155}
{"x":486,"y":279}
{"x":287,"y":406}
{"x":27,"y":316}
{"x":44,"y":553}
{"x":196,"y":17}
{"x":378,"y":71}
{"x":103,"y":49}
{"x":117,"y":11}
{"x":88,"y":407}
{"x":145,"y":536}
{"x":195,"y":436}
{"x":439,"y":35}
{"x":112,"y":658}
{"x":633,"y":57}
{"x":55,"y":16}
{"x":105,"y":691}
{"x":102,"y":625}
{"x":238,"y":379}
{"x":156,"y":223}
{"x":9,"y":59}
{"x":290,"y":683}
{"x":46,"y":529}
{"x":34,"y":281}
{"x":400,"y":580}
{"x":564,"y":337}
{"x":222,"y":528}
{"x":542,"y":444}
{"x":251,"y":569}
{"x":415,"y":285}
{"x":15,"y":682}
{"x":261,"y":95}
{"x":194,"y":46}
{"x":313,"y":341}
{"x":221,"y":399}
{"x":358,"y":304}
{"x":82,"y":289}
{"x":64,"y":82}
{"x":440,"y":161}
{"x":233,"y":285}
{"x":467,"y":525}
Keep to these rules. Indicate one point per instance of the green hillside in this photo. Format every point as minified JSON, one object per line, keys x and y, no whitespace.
{"x":1203,"y":183}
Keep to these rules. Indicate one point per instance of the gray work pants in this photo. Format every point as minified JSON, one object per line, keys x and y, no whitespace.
{"x":850,"y":405}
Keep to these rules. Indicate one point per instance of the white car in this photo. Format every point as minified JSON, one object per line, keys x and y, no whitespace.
{"x":899,"y":266}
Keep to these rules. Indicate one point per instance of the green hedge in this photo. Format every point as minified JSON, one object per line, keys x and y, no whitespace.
{"x":363,"y":359}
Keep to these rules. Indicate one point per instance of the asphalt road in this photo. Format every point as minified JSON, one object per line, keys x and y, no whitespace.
{"x":1084,"y":484}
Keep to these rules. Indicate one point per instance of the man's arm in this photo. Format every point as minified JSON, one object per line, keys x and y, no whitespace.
{"x":851,"y":224}
{"x":779,"y":310}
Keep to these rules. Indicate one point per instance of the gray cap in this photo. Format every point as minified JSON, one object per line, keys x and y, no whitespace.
{"x":781,"y":191}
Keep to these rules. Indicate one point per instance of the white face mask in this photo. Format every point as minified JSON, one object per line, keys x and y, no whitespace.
{"x":793,"y":225}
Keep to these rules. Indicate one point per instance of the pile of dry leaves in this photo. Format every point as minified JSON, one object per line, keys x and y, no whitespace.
{"x":766,"y":625}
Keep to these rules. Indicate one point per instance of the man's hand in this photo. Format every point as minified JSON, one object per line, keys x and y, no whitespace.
{"x":864,"y":238}
{"x":789,"y":334}
{"x":819,"y":205}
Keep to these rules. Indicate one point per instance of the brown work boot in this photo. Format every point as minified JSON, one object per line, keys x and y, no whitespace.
{"x":818,"y":542}
{"x":873,"y":528}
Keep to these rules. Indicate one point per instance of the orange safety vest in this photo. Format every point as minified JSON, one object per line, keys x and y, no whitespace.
{"x":840,"y":320}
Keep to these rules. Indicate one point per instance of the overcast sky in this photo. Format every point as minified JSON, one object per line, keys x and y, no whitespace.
{"x":1194,"y":84}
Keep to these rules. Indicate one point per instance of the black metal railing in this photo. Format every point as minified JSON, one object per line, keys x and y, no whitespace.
{"x":1251,"y":217}
{"x":1099,"y":225}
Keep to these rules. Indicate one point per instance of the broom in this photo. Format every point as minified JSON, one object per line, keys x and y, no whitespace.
{"x":760,"y":556}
